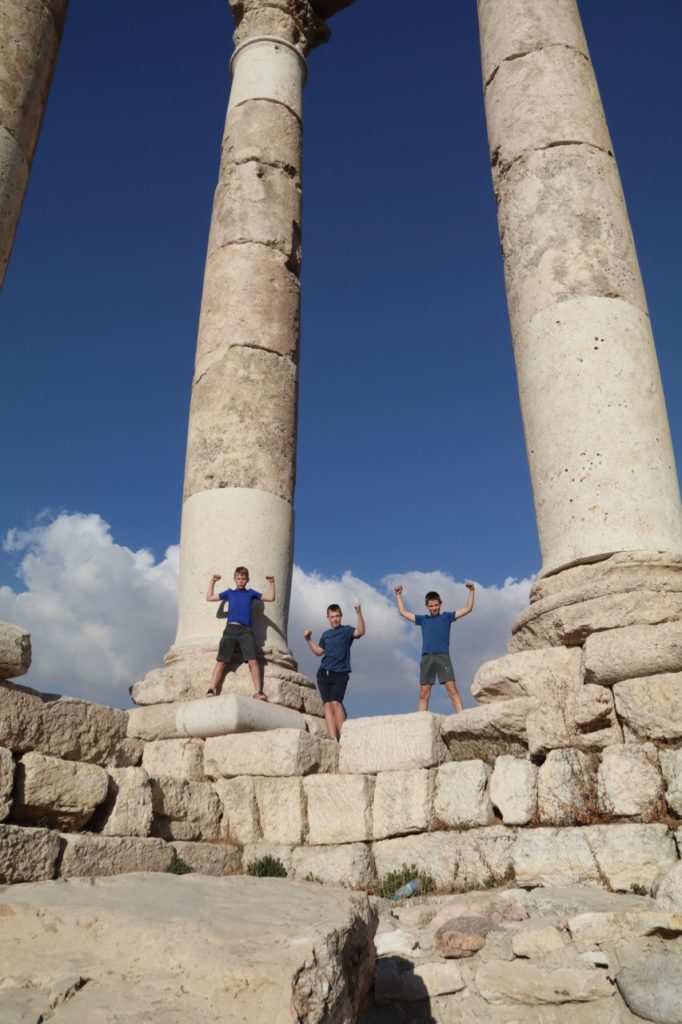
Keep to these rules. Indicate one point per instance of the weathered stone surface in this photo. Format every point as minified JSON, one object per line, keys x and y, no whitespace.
{"x":339,"y":808}
{"x":631,"y":855}
{"x":210,"y":858}
{"x":348,"y":865}
{"x":497,"y":907}
{"x":461,"y":796}
{"x":153,"y":721}
{"x":553,"y":857}
{"x":183,"y":759}
{"x":15,"y":651}
{"x":256,"y":851}
{"x":185,"y":810}
{"x":652,"y":988}
{"x":256,"y":203}
{"x":501,"y":982}
{"x":527,"y":674}
{"x":211,"y":716}
{"x":501,"y":720}
{"x":282,"y":810}
{"x":629,"y":782}
{"x":462,"y":936}
{"x":86,"y":854}
{"x":484,"y":857}
{"x":591,"y":927}
{"x":21,"y":717}
{"x":202,"y":937}
{"x":514,"y":789}
{"x":280,"y":752}
{"x":652,"y":705}
{"x":567,"y":788}
{"x":584,"y":718}
{"x":63,"y":794}
{"x":536,"y":939}
{"x":391,"y":743}
{"x":671,"y":766}
{"x":402,"y":982}
{"x":403,"y":802}
{"x":27,"y":854}
{"x":240,"y":819}
{"x":669,"y":892}
{"x":315,"y":726}
{"x":434,"y":853}
{"x":78,"y":730}
{"x":632,"y":651}
{"x":6,"y":781}
{"x":127,"y":810}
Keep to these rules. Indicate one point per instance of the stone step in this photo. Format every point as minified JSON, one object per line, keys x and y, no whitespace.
{"x":210,"y":716}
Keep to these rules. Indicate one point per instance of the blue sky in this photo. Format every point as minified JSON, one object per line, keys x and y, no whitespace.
{"x":408,"y":393}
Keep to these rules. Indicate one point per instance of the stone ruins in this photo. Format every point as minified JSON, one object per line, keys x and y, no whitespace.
{"x":560,"y":791}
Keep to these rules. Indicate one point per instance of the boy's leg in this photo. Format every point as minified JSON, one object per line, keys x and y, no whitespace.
{"x":256,"y":678}
{"x":217,"y":678}
{"x":427,"y":677}
{"x":340,"y":715}
{"x":330,"y":720}
{"x":424,"y":697}
{"x":451,"y":687}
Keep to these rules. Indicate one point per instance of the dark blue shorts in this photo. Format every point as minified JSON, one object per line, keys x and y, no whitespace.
{"x":332,"y":685}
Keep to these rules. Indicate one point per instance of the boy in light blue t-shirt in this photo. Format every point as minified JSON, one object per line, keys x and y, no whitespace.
{"x":435,"y":629}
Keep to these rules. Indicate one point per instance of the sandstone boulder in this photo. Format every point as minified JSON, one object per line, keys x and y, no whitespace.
{"x":391,"y":743}
{"x":348,"y":865}
{"x":462,"y":797}
{"x":339,"y":808}
{"x":183,"y":759}
{"x":15,"y":651}
{"x":630,"y":784}
{"x":514,"y":789}
{"x":6,"y":781}
{"x":632,"y":651}
{"x":282,"y":810}
{"x":61,"y":794}
{"x":651,"y":706}
{"x":279,"y":752}
{"x":528,"y":674}
{"x":403,"y":802}
{"x":27,"y":854}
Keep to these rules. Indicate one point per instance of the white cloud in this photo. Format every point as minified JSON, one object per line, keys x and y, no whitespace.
{"x":101,"y":616}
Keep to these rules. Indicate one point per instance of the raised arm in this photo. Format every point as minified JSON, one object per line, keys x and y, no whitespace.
{"x":210,"y":593}
{"x":270,"y":595}
{"x":360,"y":630}
{"x":315,"y":648}
{"x":398,"y":591}
{"x":470,"y":601}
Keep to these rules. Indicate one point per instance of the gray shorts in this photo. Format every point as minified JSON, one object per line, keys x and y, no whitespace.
{"x":236,"y":635}
{"x":433,"y":665}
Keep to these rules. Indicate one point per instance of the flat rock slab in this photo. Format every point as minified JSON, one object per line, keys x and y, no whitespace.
{"x":211,"y":716}
{"x":177,"y":949}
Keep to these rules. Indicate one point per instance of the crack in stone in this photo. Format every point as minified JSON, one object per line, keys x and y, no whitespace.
{"x":504,"y":169}
{"x":270,"y":99}
{"x":278,"y":165}
{"x":533,"y":49}
{"x":63,"y":997}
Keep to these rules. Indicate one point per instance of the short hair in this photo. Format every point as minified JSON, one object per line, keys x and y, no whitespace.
{"x":334,"y":608}
{"x":433,"y":596}
{"x":242,"y":570}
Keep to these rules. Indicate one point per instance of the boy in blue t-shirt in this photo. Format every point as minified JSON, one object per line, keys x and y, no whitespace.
{"x":435,"y":629}
{"x":332,"y":676}
{"x":238,"y":631}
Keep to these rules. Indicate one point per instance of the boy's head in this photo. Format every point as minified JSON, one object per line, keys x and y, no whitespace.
{"x":241,"y":576}
{"x":334,"y":614}
{"x":433,"y":602}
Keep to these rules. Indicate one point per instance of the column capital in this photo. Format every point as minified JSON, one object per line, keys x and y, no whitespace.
{"x":297,"y":22}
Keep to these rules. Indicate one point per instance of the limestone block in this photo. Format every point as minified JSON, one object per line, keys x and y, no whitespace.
{"x":671,"y":766}
{"x":536,"y":939}
{"x":63,"y":794}
{"x":651,"y":988}
{"x":514,"y":789}
{"x":15,"y":651}
{"x":591,"y":927}
{"x":240,"y":821}
{"x":6,"y":781}
{"x":183,"y":759}
{"x":403,"y":802}
{"x":516,"y":27}
{"x":316,"y":727}
{"x":462,"y":797}
{"x":265,"y":132}
{"x":279,"y":752}
{"x":652,"y":705}
{"x":339,"y":808}
{"x":567,"y":788}
{"x":282,"y":810}
{"x":256,"y":851}
{"x":502,"y":720}
{"x":210,"y":858}
{"x":669,"y":891}
{"x":256,"y":203}
{"x":527,"y":674}
{"x":78,"y":730}
{"x":630,"y":784}
{"x":184,"y":678}
{"x":584,"y":719}
{"x":398,"y":981}
{"x":434,"y":853}
{"x":499,"y":981}
{"x":85,"y":854}
{"x":153,"y":721}
{"x":484,"y":857}
{"x":185,"y":810}
{"x":224,"y":715}
{"x":348,"y":865}
{"x":127,"y":810}
{"x":27,"y":854}
{"x":631,"y":854}
{"x":312,"y":702}
{"x":631,"y":652}
{"x":21,"y":717}
{"x":391,"y":743}
{"x":553,"y":857}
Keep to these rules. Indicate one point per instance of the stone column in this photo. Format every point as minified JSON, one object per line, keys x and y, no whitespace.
{"x":30,"y":32}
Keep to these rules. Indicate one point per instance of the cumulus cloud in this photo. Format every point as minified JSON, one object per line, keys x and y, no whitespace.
{"x":101,"y":616}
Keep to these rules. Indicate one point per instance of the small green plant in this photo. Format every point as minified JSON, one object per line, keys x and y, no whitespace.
{"x":395,"y":880}
{"x":639,"y":890}
{"x":267,"y":867}
{"x":490,"y":882}
{"x":178,"y":866}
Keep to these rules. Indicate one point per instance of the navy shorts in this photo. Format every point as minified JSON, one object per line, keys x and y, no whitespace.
{"x":236,"y":635}
{"x":332,"y":685}
{"x":433,"y":665}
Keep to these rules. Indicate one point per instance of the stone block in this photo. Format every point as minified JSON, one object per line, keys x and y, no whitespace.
{"x":240,"y":819}
{"x":211,"y":716}
{"x":567,"y":788}
{"x":15,"y":651}
{"x":256,"y":851}
{"x":554,"y":857}
{"x":391,"y":743}
{"x":584,"y":718}
{"x":671,"y":766}
{"x":500,"y":981}
{"x":527,"y":674}
{"x":462,"y":797}
{"x":282,"y":810}
{"x":185,"y":810}
{"x":210,"y":858}
{"x":184,"y":759}
{"x":78,"y":730}
{"x":348,"y":865}
{"x":184,"y":678}
{"x":152,"y":722}
{"x":631,"y":652}
{"x":316,"y":727}
{"x":622,"y":926}
{"x":86,"y":854}
{"x":630,"y":854}
{"x":279,"y":752}
{"x":62,"y":794}
{"x":403,"y":802}
{"x":669,"y":890}
{"x":434,"y":853}
{"x":651,"y":706}
{"x":651,"y":988}
{"x":398,"y":981}
{"x":629,"y":781}
{"x":514,"y":789}
{"x":536,"y":939}
{"x":6,"y":781}
{"x":21,"y":717}
{"x":501,"y":720}
{"x":263,"y":131}
{"x":484,"y":857}
{"x":312,"y":702}
{"x":519,"y":28}
{"x":127,"y":810}
{"x":339,"y":808}
{"x":27,"y":854}
{"x":256,"y":203}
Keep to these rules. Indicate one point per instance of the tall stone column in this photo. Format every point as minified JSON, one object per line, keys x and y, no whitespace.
{"x":30,"y":32}
{"x":599,"y":447}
